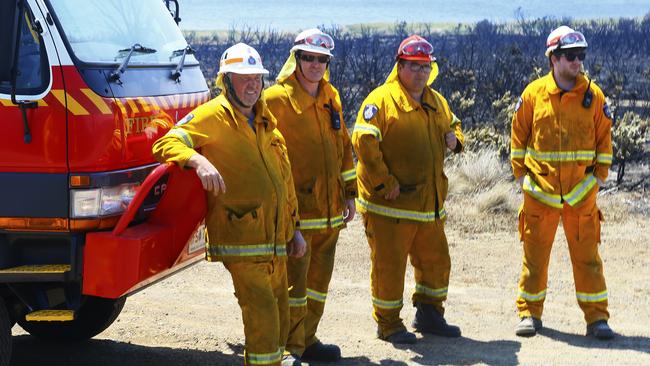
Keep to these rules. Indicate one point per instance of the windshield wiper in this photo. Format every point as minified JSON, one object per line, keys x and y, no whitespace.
{"x":176,"y":74}
{"x":136,"y":48}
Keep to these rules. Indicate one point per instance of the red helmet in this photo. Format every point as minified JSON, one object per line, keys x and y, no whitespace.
{"x":415,"y":48}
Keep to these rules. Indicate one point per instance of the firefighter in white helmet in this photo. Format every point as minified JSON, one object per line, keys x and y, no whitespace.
{"x":310,"y":117}
{"x":561,"y":151}
{"x":250,"y":223}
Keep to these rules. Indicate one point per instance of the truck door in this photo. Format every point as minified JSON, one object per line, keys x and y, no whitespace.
{"x":33,"y":163}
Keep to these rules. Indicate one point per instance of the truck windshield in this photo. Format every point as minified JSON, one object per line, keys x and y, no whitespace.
{"x":98,"y":29}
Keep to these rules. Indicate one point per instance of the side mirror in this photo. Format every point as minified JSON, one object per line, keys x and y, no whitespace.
{"x":175,"y":10}
{"x":15,"y":51}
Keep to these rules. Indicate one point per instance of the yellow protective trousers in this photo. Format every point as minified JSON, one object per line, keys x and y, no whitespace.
{"x":391,"y":242}
{"x":537,"y":226}
{"x":262,"y":292}
{"x":309,"y":278}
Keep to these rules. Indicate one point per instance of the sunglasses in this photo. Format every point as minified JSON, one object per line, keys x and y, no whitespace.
{"x":416,"y":67}
{"x":571,"y":56}
{"x":323,"y":59}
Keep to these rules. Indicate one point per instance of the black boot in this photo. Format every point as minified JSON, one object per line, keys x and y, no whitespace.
{"x":429,"y":320}
{"x":319,"y":351}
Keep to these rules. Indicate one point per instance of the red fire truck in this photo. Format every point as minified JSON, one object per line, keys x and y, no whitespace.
{"x":86,"y":87}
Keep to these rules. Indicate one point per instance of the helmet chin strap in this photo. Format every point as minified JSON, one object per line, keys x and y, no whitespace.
{"x":297,"y":56}
{"x":233,"y":95}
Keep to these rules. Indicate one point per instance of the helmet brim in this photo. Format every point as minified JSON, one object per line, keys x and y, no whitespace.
{"x":309,"y":48}
{"x":569,"y":47}
{"x":426,"y":58}
{"x":246,"y":71}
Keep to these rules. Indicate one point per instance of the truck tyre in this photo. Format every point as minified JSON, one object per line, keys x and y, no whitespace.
{"x":5,"y":335}
{"x":93,"y":317}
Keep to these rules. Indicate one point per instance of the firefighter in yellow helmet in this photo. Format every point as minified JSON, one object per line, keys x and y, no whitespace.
{"x":251,"y":201}
{"x":401,"y":135}
{"x":309,"y":113}
{"x":561,"y":150}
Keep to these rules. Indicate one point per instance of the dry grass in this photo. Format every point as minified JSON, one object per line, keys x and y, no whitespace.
{"x":501,"y":198}
{"x":475,"y":172}
{"x":620,"y":206}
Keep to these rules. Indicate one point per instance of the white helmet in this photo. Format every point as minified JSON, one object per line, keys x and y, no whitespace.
{"x":564,"y":38}
{"x":241,"y":59}
{"x":313,"y":40}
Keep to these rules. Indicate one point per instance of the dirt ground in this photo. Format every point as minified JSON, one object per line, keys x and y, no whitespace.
{"x":193,"y":318}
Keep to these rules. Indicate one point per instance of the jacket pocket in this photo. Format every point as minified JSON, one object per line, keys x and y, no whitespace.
{"x":243,"y":223}
{"x":411,"y":196}
{"x":531,"y":227}
{"x":444,"y":188}
{"x":307,"y":197}
{"x":544,"y":129}
{"x":589,"y":228}
{"x":520,"y":218}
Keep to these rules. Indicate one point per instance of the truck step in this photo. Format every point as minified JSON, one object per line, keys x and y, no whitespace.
{"x":36,"y":273}
{"x":38,"y":268}
{"x":50,"y":316}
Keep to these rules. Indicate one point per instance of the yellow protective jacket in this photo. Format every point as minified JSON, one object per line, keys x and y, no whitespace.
{"x":320,"y":154}
{"x":400,"y":141}
{"x":559,"y":145}
{"x":256,"y":216}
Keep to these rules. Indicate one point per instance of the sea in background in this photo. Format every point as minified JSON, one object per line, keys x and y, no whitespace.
{"x":296,"y":15}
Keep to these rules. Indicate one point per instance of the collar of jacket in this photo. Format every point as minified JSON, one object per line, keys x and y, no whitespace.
{"x":552,"y":88}
{"x":264,"y":118}
{"x":301,"y":100}
{"x":404,"y":100}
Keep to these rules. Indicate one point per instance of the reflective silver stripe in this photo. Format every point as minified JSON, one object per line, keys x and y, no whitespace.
{"x":580,"y":190}
{"x":517,"y":153}
{"x":306,"y":224}
{"x":181,"y":135}
{"x":387,"y":304}
{"x":367,"y":129}
{"x":244,"y":250}
{"x":454,"y":120}
{"x":349,"y":175}
{"x":296,"y":302}
{"x":433,"y":292}
{"x":423,"y":216}
{"x":591,"y":297}
{"x":264,"y":358}
{"x":579,"y":155}
{"x":281,"y":250}
{"x":315,"y":295}
{"x":322,"y":223}
{"x":336,"y":221}
{"x":553,"y":200}
{"x":532,"y":297}
{"x":604,"y":158}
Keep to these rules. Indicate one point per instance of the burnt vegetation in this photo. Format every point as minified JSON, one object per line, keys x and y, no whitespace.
{"x":483,"y":70}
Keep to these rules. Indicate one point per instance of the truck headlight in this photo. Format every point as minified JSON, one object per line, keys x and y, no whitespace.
{"x":106,"y":201}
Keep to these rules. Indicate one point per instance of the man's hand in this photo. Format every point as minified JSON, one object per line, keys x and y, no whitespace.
{"x":209,"y":175}
{"x":350,"y":211}
{"x":600,"y":182}
{"x":297,"y":246}
{"x":392,"y":194}
{"x":451,"y":140}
